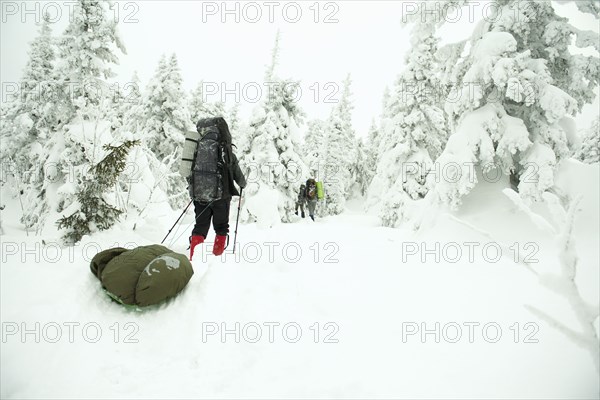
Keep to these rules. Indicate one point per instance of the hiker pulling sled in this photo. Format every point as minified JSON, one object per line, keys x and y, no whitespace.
{"x":210,"y":168}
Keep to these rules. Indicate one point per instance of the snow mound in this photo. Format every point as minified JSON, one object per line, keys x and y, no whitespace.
{"x":263,"y":205}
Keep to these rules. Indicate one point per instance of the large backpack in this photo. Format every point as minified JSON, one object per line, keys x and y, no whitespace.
{"x":210,"y":166}
{"x":311,"y":189}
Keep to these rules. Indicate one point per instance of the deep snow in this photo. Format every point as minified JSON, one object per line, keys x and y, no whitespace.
{"x":364,"y":304}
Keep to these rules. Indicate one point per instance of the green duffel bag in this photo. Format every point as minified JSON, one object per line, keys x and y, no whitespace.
{"x":142,"y":276}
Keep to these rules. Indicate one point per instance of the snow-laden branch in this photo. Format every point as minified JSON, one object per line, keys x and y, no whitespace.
{"x":538,"y":220}
{"x":564,"y":284}
{"x":576,"y":337}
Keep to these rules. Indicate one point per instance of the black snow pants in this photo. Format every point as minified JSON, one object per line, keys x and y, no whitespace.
{"x":312,"y":205}
{"x":218,"y":211}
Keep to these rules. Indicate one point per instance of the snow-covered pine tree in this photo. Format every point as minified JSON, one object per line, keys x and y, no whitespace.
{"x":91,"y":211}
{"x":447,"y":57}
{"x":371,"y":156}
{"x":239,"y":131}
{"x":386,"y":109}
{"x":165,"y":119}
{"x":359,"y":172}
{"x":274,"y":150}
{"x":132,"y":103}
{"x":165,"y":110}
{"x":513,"y":97}
{"x":146,"y":180}
{"x":33,"y":111}
{"x":30,"y":118}
{"x":200,"y":108}
{"x":374,"y":149}
{"x":414,"y":131}
{"x":341,"y":153}
{"x":123,"y":106}
{"x":85,"y":56}
{"x":234,"y":120}
{"x":589,"y":152}
{"x":315,"y":149}
{"x":536,"y":27}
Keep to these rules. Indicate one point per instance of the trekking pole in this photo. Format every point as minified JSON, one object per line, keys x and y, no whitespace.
{"x":184,"y":211}
{"x":237,"y":220}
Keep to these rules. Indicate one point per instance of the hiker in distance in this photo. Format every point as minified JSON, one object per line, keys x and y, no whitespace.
{"x":210,"y":168}
{"x":301,"y":199}
{"x":311,"y":197}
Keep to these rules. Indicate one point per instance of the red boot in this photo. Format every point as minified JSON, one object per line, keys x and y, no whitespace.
{"x":195,"y":240}
{"x":219,"y":245}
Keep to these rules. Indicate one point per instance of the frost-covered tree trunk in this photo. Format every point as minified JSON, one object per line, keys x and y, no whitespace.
{"x":273,"y":161}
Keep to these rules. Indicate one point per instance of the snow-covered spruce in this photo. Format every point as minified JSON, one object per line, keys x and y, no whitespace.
{"x":340,"y":160}
{"x":589,"y":152}
{"x":414,"y":132}
{"x":91,"y":212}
{"x":371,"y":156}
{"x":200,"y":108}
{"x":30,"y":117}
{"x":85,"y":56}
{"x":272,"y":158}
{"x":512,"y":99}
{"x":164,"y":120}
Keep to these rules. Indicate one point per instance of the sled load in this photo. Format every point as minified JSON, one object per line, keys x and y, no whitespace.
{"x":142,"y":276}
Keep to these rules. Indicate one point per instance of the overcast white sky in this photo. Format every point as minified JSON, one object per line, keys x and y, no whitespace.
{"x":367,"y":41}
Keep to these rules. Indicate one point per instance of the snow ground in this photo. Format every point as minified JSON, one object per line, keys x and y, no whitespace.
{"x":371,"y":298}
